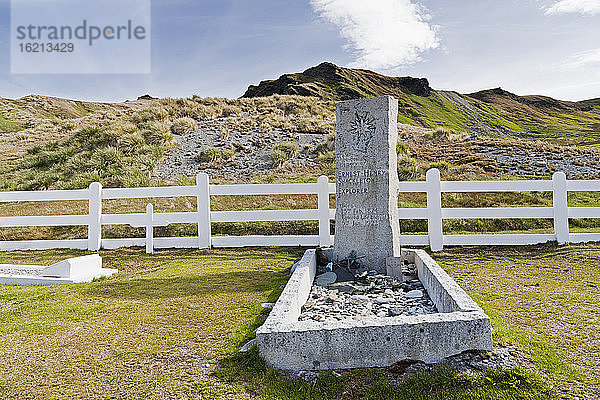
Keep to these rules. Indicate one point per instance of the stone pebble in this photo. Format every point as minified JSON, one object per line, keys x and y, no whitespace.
{"x":374,"y":296}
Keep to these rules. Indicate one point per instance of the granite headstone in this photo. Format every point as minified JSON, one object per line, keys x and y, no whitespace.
{"x":367,"y":183}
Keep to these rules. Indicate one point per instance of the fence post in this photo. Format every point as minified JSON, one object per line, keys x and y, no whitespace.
{"x":95,"y":217}
{"x":560,"y":207}
{"x":324,"y":220}
{"x":203,"y":197}
{"x":434,"y":210}
{"x":149,"y":229}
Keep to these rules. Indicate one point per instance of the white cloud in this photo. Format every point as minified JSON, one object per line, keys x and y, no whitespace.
{"x":591,"y":7}
{"x":382,"y":34}
{"x":580,"y":61}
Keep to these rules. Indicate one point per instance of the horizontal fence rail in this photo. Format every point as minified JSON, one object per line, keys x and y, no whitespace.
{"x":203,"y":217}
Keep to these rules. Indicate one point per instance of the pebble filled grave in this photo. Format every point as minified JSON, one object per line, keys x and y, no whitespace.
{"x":368,"y":295}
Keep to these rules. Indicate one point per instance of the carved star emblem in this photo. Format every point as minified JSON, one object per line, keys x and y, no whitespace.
{"x":363,"y":128}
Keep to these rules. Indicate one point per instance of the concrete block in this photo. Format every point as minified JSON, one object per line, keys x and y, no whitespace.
{"x":73,"y":270}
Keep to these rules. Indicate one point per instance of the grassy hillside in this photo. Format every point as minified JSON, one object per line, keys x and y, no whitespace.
{"x":494,"y":112}
{"x":8,"y":126}
{"x":120,"y":144}
{"x":37,"y":120}
{"x":544,"y":117}
{"x":47,"y":142}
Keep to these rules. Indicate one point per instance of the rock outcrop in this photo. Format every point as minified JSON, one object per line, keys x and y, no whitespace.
{"x":329,"y":81}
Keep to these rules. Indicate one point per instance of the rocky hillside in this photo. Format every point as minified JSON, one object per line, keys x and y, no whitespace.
{"x":52,"y":143}
{"x":284,"y":130}
{"x":493,"y":112}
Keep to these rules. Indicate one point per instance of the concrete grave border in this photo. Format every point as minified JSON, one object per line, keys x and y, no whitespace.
{"x":286,"y":343}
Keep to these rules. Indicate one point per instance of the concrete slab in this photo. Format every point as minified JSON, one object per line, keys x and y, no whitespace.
{"x":73,"y":270}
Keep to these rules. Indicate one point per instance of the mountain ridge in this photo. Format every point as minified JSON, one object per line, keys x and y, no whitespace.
{"x":322,"y":76}
{"x":286,"y":85}
{"x":491,"y":112}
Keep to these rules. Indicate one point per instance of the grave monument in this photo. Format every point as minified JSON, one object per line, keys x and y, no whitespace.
{"x":366,"y":178}
{"x":346,"y":329}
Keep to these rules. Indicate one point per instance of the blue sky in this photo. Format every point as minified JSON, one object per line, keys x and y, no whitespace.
{"x":218,"y":47}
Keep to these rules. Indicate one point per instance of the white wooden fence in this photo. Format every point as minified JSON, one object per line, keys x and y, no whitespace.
{"x":203,"y":216}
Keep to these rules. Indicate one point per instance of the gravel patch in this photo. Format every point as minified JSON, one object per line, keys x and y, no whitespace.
{"x":517,"y":161}
{"x":251,"y":151}
{"x":372,"y":296}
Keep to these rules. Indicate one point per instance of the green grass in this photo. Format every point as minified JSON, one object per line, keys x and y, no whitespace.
{"x":169,"y":325}
{"x":121,"y":155}
{"x":282,"y":152}
{"x":434,"y":111}
{"x":375,"y":384}
{"x":213,"y":154}
{"x":527,"y":121}
{"x":540,"y":123}
{"x":154,"y":331}
{"x":494,"y":118}
{"x":544,"y":299}
{"x":7,"y":126}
